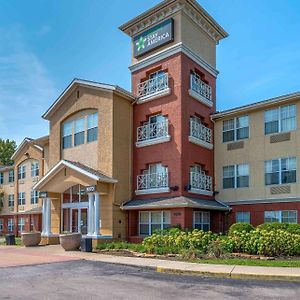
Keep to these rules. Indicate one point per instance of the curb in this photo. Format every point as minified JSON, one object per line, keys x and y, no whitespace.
{"x":230,"y":275}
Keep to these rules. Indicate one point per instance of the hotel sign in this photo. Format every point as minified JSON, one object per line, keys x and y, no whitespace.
{"x":153,"y":38}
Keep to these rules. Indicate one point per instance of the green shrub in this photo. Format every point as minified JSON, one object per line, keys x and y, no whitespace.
{"x":240,"y":227}
{"x":291,"y":228}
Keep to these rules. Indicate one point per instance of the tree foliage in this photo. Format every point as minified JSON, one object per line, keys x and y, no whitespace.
{"x":7,"y":149}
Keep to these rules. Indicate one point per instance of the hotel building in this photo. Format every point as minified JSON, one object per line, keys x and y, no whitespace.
{"x":120,"y":164}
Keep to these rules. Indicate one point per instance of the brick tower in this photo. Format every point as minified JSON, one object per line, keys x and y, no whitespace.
{"x":174,"y":78}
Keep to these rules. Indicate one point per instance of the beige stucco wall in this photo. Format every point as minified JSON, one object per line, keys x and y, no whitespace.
{"x":189,"y":33}
{"x":8,"y":189}
{"x":97,"y":155}
{"x":111,"y":154}
{"x":257,"y":149}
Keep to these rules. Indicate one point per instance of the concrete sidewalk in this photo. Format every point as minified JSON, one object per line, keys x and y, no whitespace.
{"x":52,"y":254}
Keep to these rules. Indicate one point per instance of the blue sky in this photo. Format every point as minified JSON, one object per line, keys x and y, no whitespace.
{"x":45,"y":44}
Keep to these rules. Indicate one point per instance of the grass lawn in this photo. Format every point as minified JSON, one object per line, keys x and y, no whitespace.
{"x":292,"y":263}
{"x":280,"y":262}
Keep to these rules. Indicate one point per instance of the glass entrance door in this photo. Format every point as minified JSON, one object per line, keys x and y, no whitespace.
{"x":79,"y":220}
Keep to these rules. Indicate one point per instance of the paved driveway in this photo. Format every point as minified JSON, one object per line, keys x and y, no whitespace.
{"x":21,"y":256}
{"x":98,"y":280}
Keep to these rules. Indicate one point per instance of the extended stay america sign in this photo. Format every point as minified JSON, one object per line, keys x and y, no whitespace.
{"x":153,"y":38}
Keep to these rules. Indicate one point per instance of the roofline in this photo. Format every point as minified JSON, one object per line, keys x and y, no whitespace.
{"x":89,"y":83}
{"x":61,"y":163}
{"x":24,"y":142}
{"x":165,"y":3}
{"x":156,"y":206}
{"x":256,"y":105}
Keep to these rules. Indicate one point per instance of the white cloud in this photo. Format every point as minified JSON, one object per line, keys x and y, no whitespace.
{"x":25,"y":88}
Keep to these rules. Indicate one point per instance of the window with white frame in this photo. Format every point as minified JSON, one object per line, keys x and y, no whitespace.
{"x":11,"y":200}
{"x":281,"y":216}
{"x":236,"y":176}
{"x":67,"y":132}
{"x":281,"y":119}
{"x":202,"y":220}
{"x":242,"y":217}
{"x":79,"y":131}
{"x":11,"y":176}
{"x":10,"y":225}
{"x":281,"y":171}
{"x":92,"y":131}
{"x":236,"y":129}
{"x":21,"y":198}
{"x":21,"y":224}
{"x":34,"y":169}
{"x":22,"y":172}
{"x":153,"y":221}
{"x":1,"y":178}
{"x":1,"y":225}
{"x":34,"y":197}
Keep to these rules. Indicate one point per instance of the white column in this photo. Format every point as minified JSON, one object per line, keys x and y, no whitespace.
{"x":79,"y":220}
{"x":91,"y":214}
{"x":97,"y":215}
{"x":48,"y":232}
{"x":44,"y":216}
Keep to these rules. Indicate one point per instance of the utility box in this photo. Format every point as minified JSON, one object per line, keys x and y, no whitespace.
{"x":86,"y":244}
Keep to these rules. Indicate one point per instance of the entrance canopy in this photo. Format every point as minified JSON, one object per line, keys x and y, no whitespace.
{"x":66,"y":174}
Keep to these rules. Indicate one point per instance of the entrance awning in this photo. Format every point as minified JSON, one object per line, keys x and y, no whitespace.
{"x":68,"y":173}
{"x":163,"y":203}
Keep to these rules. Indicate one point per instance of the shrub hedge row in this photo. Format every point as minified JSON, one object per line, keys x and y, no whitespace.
{"x":268,"y":239}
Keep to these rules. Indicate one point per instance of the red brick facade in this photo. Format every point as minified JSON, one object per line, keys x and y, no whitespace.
{"x":33,"y":222}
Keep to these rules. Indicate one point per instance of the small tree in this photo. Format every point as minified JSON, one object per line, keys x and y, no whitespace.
{"x":7,"y":149}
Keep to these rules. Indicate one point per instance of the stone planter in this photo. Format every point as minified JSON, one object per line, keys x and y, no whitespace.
{"x":70,"y":241}
{"x":31,"y":239}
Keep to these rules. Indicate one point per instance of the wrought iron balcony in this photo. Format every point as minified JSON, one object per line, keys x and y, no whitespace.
{"x":157,"y":86}
{"x":200,"y":134}
{"x":152,"y":183}
{"x":153,"y":133}
{"x":200,"y":90}
{"x":201,"y":183}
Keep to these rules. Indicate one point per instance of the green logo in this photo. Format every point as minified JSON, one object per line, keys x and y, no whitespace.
{"x":141,"y":43}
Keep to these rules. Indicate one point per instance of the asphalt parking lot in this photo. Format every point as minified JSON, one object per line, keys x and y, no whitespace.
{"x":96,"y":280}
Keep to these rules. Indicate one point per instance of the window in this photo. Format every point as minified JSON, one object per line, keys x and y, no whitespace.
{"x":22,"y":172}
{"x":92,"y":131}
{"x":1,"y":178}
{"x":67,"y":135}
{"x":10,"y":225}
{"x":242,"y":217}
{"x":236,"y":176}
{"x":21,"y":198}
{"x":280,"y":119}
{"x":21,"y":224}
{"x":34,"y":197}
{"x":11,"y":200}
{"x":82,"y":127}
{"x":281,"y":171}
{"x":152,"y":221}
{"x":11,"y":176}
{"x":79,"y":132}
{"x":236,"y":129}
{"x":34,"y":169}
{"x":202,"y":220}
{"x":284,"y":216}
{"x":1,"y":225}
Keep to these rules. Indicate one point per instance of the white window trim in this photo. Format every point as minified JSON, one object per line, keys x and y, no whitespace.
{"x":194,"y":218}
{"x":235,"y":128}
{"x":279,"y":108}
{"x":280,"y":171}
{"x":150,"y":220}
{"x":280,"y":214}
{"x":236,"y":176}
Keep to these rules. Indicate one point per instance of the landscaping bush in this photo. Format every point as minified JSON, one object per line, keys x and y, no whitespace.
{"x":291,"y":228}
{"x":240,"y":227}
